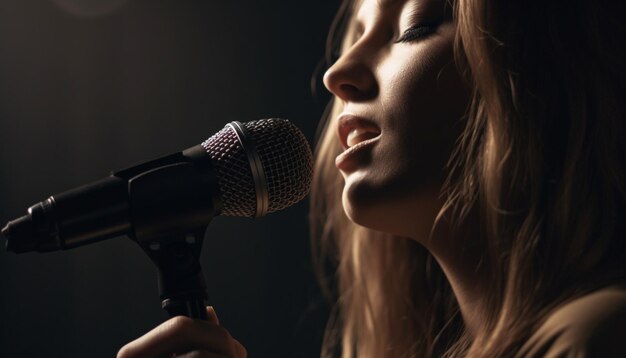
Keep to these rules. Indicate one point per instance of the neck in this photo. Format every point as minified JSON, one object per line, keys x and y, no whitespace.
{"x":462,"y":257}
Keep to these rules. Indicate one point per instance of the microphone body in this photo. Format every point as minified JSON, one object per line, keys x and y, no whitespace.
{"x":164,"y":195}
{"x":269,"y":164}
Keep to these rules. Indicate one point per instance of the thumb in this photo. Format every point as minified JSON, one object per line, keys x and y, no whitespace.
{"x":212,"y":316}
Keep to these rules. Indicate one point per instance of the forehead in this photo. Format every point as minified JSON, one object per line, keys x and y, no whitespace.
{"x":363,"y":8}
{"x":377,"y":4}
{"x":366,"y":7}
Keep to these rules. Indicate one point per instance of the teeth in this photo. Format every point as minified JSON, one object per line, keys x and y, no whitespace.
{"x":358,"y":135}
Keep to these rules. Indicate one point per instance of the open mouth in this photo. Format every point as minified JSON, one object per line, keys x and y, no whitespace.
{"x":358,"y":135}
{"x":353,"y":130}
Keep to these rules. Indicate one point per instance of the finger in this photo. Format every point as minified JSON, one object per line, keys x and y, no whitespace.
{"x":201,"y":354}
{"x":181,"y":334}
{"x":204,"y":354}
{"x":241,"y":350}
{"x":212,"y":316}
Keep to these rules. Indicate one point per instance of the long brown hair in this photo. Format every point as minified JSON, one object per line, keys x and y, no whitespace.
{"x":544,"y":153}
{"x":542,"y":163}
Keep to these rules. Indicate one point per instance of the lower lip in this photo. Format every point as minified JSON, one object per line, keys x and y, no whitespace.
{"x":353,"y":156}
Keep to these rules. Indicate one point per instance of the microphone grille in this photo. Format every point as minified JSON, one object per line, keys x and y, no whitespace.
{"x":285,"y":156}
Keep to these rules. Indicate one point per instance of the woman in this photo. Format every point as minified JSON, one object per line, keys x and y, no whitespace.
{"x":470,"y":184}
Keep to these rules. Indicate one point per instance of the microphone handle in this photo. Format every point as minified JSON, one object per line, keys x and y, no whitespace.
{"x":174,"y":192}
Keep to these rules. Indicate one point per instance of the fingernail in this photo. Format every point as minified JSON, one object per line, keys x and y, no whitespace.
{"x":212,"y":315}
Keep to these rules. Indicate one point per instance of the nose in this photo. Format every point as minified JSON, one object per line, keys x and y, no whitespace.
{"x":351,"y":78}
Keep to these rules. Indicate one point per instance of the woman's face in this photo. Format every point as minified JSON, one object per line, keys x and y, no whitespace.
{"x":403,"y":99}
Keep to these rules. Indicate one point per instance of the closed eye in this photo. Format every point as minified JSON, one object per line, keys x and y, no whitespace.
{"x":416,"y":32}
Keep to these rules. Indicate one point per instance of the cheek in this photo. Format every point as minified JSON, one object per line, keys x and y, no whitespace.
{"x":425,"y":102}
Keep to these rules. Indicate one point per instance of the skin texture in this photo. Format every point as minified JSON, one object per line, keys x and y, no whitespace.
{"x":413,"y":93}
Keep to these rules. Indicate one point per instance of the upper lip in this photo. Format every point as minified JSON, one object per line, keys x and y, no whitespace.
{"x":346,"y":122}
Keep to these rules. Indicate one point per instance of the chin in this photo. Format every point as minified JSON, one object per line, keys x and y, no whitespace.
{"x":397,"y":212}
{"x":366,"y":215}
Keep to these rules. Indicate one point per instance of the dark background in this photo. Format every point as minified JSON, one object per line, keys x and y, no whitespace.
{"x":87,"y":87}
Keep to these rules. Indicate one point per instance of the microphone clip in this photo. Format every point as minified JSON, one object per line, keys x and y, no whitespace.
{"x":170,"y":226}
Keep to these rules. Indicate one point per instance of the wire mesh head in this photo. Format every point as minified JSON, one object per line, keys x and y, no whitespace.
{"x":285,"y":156}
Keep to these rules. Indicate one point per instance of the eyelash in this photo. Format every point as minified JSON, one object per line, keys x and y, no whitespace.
{"x":415,"y":32}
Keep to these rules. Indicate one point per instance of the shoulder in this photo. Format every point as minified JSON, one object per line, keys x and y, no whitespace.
{"x":593,"y":325}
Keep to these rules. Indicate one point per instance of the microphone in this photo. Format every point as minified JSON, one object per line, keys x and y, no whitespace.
{"x":245,"y":170}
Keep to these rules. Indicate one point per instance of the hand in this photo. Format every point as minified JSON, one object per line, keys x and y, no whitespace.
{"x":186,"y":337}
